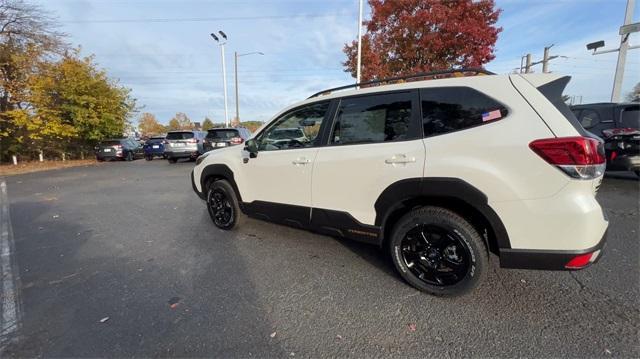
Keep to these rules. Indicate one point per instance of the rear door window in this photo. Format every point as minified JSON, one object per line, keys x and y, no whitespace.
{"x":449,"y":109}
{"x":179,"y":135}
{"x":630,"y":117}
{"x":589,"y":118}
{"x":374,"y":118}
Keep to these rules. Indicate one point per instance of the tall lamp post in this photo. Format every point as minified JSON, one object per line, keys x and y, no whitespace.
{"x":224,"y":73}
{"x":236,"y":78}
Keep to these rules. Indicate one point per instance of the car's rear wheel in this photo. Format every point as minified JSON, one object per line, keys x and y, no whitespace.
{"x":223,"y":205}
{"x":438,"y":252}
{"x":148,"y":157}
{"x":637,"y":172}
{"x":173,"y":160}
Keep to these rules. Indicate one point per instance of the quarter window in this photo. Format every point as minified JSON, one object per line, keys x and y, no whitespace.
{"x":371,"y":119}
{"x":296,"y":129}
{"x":449,"y":109}
{"x":589,"y":118}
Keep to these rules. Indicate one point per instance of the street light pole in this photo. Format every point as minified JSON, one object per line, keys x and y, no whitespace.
{"x":224,"y":84}
{"x":236,"y":78}
{"x":224,"y":73}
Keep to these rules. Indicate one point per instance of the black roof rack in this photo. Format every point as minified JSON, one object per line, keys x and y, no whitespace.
{"x":420,"y":75}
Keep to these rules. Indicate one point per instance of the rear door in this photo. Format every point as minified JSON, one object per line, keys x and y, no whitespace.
{"x":374,"y":142}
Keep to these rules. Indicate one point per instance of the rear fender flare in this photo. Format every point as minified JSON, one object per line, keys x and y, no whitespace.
{"x":397,"y":194}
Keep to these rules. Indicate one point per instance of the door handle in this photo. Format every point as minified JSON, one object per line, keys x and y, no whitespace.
{"x":300,"y":161}
{"x":399,"y":159}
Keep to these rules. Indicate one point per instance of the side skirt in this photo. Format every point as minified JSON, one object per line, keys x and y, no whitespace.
{"x":325,"y":221}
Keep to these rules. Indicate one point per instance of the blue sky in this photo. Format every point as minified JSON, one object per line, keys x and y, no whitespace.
{"x":174,"y":66}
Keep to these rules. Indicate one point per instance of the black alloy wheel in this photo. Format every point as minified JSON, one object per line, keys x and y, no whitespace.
{"x":220,"y":208}
{"x":438,"y":251}
{"x":435,"y":255}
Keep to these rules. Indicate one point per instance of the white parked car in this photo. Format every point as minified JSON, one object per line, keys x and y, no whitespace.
{"x":439,"y":173}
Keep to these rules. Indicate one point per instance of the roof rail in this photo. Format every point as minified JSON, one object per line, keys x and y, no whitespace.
{"x":420,"y":75}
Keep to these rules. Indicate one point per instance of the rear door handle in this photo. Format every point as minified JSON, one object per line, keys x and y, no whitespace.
{"x":301,"y":161}
{"x":399,"y":159}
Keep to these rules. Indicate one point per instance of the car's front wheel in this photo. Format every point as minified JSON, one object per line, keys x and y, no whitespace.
{"x":438,"y":252}
{"x":173,"y":160}
{"x":223,"y":205}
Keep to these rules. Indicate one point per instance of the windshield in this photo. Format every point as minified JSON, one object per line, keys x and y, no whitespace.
{"x":222,"y":134}
{"x":179,"y":135}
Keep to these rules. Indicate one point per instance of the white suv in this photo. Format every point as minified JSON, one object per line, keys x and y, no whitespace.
{"x":437,"y":172}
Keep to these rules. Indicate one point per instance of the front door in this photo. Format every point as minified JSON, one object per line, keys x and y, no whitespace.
{"x":277,"y":182}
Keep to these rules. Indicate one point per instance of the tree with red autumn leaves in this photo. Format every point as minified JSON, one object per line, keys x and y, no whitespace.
{"x":410,"y":36}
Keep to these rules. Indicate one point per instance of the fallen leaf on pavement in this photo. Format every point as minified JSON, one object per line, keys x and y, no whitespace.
{"x":104,"y":319}
{"x":273,"y":335}
{"x":412,"y":327}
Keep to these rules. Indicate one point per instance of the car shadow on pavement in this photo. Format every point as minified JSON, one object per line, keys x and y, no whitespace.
{"x":100,"y":292}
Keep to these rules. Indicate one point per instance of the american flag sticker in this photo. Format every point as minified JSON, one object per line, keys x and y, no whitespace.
{"x":491,"y":115}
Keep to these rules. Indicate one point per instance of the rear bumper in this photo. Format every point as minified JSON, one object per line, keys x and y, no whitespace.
{"x":544,"y":259}
{"x":182,"y":154}
{"x":195,"y":189}
{"x":624,"y":163}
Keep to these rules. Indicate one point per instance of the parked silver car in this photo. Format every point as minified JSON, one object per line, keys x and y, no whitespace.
{"x":183,"y":144}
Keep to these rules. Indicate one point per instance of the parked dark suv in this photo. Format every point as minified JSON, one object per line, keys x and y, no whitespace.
{"x":225,"y":137}
{"x":119,"y":149}
{"x":619,"y":125}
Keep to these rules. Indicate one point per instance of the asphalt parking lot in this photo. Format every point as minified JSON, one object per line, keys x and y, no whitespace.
{"x":121,"y":259}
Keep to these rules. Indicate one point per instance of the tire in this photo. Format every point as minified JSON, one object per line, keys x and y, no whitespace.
{"x":148,"y":157}
{"x":129,"y":156}
{"x":173,"y":160}
{"x":99,"y":159}
{"x":637,"y":172}
{"x":438,"y":252}
{"x":223,"y":205}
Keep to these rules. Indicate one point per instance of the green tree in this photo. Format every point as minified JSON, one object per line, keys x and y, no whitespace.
{"x":207,"y":124}
{"x":74,"y":93}
{"x":28,"y":38}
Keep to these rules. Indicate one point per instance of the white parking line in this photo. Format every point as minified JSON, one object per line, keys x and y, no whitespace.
{"x":9,"y":321}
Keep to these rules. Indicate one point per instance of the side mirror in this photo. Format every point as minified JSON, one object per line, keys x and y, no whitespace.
{"x":251,"y":146}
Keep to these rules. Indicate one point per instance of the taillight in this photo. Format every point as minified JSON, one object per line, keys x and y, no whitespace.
{"x":192,"y":140}
{"x":582,"y":260}
{"x":236,"y":140}
{"x":578,"y":157}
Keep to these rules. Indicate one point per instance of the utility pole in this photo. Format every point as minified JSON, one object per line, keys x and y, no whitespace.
{"x":625,"y":31}
{"x":235,"y":72}
{"x":236,"y":79}
{"x":622,"y":54}
{"x":359,"y":61}
{"x":545,"y":60}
